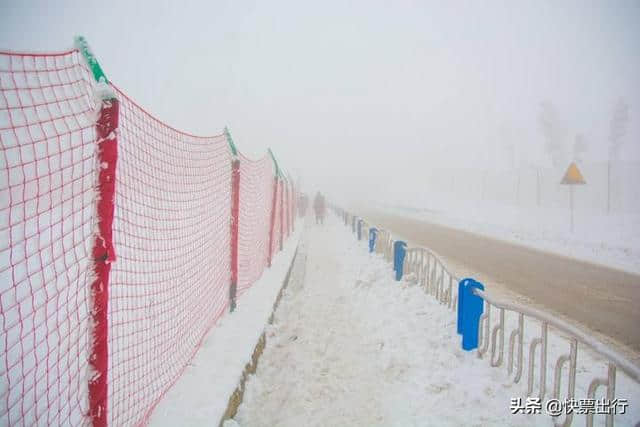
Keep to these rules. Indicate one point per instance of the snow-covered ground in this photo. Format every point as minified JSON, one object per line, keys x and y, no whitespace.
{"x":201,"y":394}
{"x":350,"y":346}
{"x":611,"y":240}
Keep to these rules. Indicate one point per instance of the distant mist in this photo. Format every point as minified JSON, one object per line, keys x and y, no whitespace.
{"x":360,"y":99}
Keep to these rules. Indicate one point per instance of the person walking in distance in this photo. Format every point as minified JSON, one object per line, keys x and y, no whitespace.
{"x":319,"y":208}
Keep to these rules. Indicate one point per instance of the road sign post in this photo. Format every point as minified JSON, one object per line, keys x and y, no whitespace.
{"x":571,"y":178}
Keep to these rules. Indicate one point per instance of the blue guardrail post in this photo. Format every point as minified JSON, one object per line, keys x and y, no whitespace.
{"x":373,"y":235}
{"x":399,"y":251}
{"x":470,"y":308}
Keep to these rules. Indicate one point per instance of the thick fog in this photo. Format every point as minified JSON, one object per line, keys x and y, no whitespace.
{"x":373,"y":100}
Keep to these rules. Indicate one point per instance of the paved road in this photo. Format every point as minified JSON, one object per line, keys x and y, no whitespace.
{"x":603,"y":299}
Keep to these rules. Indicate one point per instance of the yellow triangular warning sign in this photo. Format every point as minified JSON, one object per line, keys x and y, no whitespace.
{"x":572,"y":175}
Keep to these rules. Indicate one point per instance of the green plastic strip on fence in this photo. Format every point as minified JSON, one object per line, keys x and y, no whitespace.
{"x":83,"y":46}
{"x":232,"y":145}
{"x":275,"y":162}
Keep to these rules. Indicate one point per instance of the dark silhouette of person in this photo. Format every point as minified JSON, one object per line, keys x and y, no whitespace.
{"x":319,"y":208}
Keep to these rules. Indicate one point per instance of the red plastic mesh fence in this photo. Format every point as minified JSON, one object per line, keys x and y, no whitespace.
{"x":171,"y":279}
{"x":171,"y":230}
{"x":275,"y":243}
{"x":47,"y":219}
{"x":292,"y":206}
{"x":285,"y":207}
{"x":283,"y":214}
{"x":294,"y":203}
{"x":289,"y":205}
{"x":256,"y":192}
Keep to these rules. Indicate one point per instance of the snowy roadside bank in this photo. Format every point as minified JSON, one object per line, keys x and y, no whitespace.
{"x":608,"y":297}
{"x":350,"y":346}
{"x":612,"y":241}
{"x":201,"y":395}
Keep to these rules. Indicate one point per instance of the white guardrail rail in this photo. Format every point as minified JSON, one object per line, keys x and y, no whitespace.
{"x":425,"y":268}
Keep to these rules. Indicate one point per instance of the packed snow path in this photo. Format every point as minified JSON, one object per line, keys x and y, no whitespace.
{"x":351,"y":347}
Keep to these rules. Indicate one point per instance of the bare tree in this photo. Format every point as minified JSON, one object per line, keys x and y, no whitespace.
{"x":618,"y":127}
{"x":580,"y":147}
{"x":617,"y":131}
{"x":554,"y":132}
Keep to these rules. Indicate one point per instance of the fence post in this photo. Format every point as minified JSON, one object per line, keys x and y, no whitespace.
{"x":235,"y":213}
{"x":461,"y":285}
{"x":289,"y":220}
{"x":293,"y":206}
{"x":399,"y":252}
{"x":272,"y":220}
{"x":288,"y":209}
{"x":373,"y":234}
{"x":103,"y":250}
{"x":470,"y":308}
{"x":284,"y":228}
{"x":282,"y":184}
{"x":274,"y":199}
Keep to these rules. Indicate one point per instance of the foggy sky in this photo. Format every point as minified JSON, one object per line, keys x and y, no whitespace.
{"x":347,"y":91}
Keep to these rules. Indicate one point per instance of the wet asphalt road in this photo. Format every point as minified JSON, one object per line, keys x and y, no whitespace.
{"x":603,"y":299}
